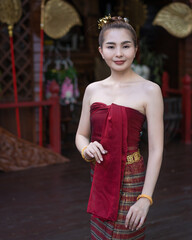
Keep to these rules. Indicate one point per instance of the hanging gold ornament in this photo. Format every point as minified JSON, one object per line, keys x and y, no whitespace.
{"x":176,"y":18}
{"x":10,"y":12}
{"x":59,"y":18}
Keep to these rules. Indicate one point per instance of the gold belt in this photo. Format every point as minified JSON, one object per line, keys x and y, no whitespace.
{"x":134,"y":157}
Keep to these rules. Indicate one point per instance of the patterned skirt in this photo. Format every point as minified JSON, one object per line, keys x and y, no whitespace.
{"x":131,"y":188}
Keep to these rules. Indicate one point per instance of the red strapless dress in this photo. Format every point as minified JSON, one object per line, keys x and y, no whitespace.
{"x":118,"y":129}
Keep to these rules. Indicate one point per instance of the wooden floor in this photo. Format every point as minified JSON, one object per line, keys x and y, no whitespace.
{"x":49,"y":203}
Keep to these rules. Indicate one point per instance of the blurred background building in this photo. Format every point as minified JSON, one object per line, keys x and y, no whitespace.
{"x":71,"y":59}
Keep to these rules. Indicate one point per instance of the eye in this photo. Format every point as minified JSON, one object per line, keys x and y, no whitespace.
{"x":110,"y":47}
{"x":126,"y":46}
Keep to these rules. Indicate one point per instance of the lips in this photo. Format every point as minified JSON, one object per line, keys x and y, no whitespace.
{"x":119,"y":62}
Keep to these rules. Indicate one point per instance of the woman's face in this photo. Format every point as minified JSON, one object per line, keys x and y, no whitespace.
{"x":118,"y":49}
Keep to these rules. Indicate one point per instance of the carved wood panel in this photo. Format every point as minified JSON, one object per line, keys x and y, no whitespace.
{"x":23,"y":58}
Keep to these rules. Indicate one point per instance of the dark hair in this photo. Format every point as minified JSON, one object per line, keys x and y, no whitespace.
{"x":117,"y":22}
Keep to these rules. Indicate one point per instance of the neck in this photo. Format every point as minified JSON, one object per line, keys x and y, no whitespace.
{"x":121,"y":77}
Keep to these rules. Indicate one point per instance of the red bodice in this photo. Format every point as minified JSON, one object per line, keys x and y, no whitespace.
{"x":134,"y":117}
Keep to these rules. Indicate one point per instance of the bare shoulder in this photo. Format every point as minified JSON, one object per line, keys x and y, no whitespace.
{"x":150,"y":88}
{"x":91,"y":89}
{"x":94,"y":86}
{"x":153,"y":97}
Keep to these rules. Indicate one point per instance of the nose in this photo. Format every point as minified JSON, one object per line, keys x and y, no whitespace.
{"x":119,"y":52}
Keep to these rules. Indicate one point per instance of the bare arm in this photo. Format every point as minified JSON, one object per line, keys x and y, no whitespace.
{"x":94,"y":149}
{"x":83,"y":131}
{"x":154,"y":112}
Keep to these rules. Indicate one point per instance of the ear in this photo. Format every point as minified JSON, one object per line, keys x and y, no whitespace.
{"x":136,"y":51}
{"x":101,"y":51}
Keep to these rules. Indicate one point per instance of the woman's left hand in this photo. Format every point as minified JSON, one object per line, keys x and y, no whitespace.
{"x":137,"y":214}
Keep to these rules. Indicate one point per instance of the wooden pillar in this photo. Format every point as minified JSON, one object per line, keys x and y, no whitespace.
{"x":91,"y":31}
{"x":186,"y":98}
{"x":165,"y":84}
{"x":185,"y":57}
{"x":54,"y":119}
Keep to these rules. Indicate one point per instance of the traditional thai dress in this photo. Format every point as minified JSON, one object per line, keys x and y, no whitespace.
{"x":118,"y":180}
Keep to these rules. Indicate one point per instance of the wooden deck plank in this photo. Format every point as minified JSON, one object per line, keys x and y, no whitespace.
{"x":49,"y":203}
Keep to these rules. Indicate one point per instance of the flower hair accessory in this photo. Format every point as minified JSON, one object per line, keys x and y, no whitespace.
{"x":126,"y":20}
{"x":108,"y":19}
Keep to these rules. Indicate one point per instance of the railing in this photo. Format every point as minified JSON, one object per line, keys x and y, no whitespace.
{"x":54,"y":115}
{"x":186,"y":94}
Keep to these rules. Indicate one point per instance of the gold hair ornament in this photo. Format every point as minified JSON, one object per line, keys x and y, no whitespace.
{"x":103,"y":21}
{"x":107,"y":19}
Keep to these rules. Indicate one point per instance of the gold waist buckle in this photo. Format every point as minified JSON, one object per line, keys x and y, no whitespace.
{"x":134,"y":157}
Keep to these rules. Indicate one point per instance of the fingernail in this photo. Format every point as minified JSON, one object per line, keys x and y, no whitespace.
{"x":101,"y":159}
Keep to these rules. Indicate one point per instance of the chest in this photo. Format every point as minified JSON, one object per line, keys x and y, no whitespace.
{"x":122,"y":96}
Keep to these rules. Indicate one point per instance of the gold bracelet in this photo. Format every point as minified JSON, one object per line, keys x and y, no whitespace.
{"x":82,"y":152}
{"x":83,"y":155}
{"x":145,"y":196}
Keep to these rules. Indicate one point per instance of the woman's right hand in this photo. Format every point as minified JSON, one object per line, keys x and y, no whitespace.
{"x":95,"y":150}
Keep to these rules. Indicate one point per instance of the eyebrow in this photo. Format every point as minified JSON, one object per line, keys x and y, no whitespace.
{"x":121,"y":43}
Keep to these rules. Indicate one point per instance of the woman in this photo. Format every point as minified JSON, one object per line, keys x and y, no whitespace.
{"x":113,"y":113}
